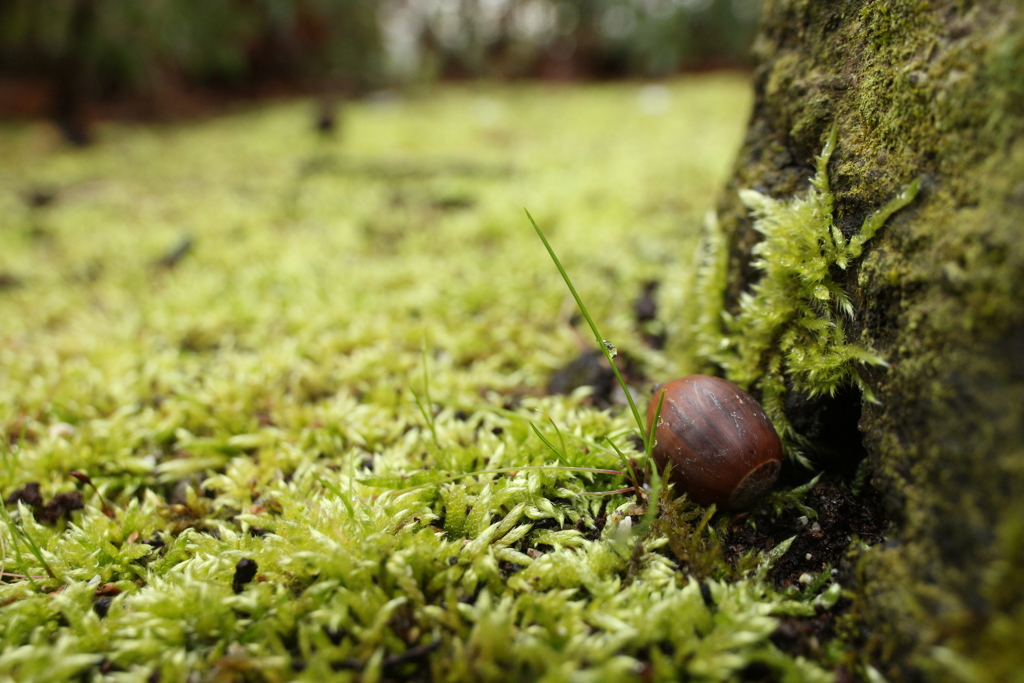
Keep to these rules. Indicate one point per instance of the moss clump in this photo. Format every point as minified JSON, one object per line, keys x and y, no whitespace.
{"x":789,"y":333}
{"x":262,"y":398}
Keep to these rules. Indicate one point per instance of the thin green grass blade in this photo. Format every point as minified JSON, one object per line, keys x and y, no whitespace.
{"x":426,"y":406}
{"x":512,"y":415}
{"x":561,"y":456}
{"x":561,"y":442}
{"x":22,"y":535}
{"x":628,"y":489}
{"x":597,"y":335}
{"x":653,"y":427}
{"x":653,"y":500}
{"x":428,"y":417}
{"x":338,"y":492}
{"x":626,"y":464}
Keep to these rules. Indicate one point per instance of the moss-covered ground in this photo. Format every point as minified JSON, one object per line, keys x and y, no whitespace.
{"x":276,"y":356}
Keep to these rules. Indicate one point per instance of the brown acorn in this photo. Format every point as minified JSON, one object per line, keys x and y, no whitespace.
{"x":721,"y":446}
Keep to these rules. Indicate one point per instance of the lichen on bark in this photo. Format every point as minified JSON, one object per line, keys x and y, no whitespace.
{"x":928,"y":89}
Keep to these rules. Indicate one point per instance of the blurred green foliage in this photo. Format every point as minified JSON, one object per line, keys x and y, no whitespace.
{"x":587,"y":38}
{"x":139,"y":46}
{"x":154,"y":46}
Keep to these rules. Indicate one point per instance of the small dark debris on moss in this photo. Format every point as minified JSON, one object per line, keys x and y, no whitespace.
{"x":645,"y":306}
{"x":9,"y":281}
{"x":28,"y":494}
{"x":156,"y":542}
{"x":179,"y":494}
{"x":327,"y":118}
{"x":599,"y":524}
{"x":453,"y":202}
{"x":60,"y":505}
{"x":706,"y":596}
{"x":20,"y":430}
{"x":245,"y":571}
{"x":759,"y":672}
{"x":198,"y":340}
{"x":507,"y":568}
{"x":102,"y":606}
{"x":173,"y":256}
{"x":587,"y":369}
{"x":645,"y":312}
{"x":40,"y":197}
{"x":107,"y":590}
{"x":107,"y":666}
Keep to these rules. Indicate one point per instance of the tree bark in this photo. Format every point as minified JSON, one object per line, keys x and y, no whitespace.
{"x":71,"y":73}
{"x":934,"y":90}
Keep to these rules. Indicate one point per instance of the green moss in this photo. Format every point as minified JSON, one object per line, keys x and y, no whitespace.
{"x":789,"y":333}
{"x":886,"y":24}
{"x":265,"y":399}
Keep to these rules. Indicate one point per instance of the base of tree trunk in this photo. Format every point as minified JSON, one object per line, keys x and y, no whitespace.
{"x":932,"y":91}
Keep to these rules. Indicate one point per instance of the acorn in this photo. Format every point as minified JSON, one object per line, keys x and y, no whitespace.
{"x":721,"y":446}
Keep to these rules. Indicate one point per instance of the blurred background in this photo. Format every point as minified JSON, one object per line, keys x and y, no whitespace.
{"x":73,"y":60}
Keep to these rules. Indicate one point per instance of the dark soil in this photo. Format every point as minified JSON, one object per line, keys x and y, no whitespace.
{"x":591,"y":369}
{"x":820,"y":543}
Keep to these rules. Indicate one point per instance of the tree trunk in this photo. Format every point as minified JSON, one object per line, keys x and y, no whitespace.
{"x":71,"y":72}
{"x":931,"y":90}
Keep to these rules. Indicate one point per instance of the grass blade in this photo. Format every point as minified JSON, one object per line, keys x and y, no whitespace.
{"x":338,"y":492}
{"x":561,"y":456}
{"x":426,"y":406}
{"x":626,"y":464}
{"x":653,"y":427}
{"x":597,"y":335}
{"x":18,"y":534}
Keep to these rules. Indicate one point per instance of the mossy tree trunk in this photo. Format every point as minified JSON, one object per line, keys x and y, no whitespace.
{"x":934,"y":90}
